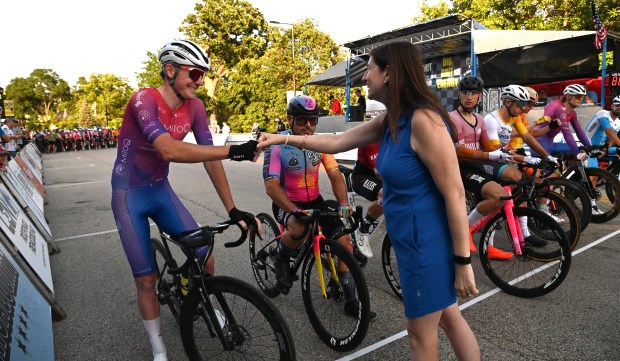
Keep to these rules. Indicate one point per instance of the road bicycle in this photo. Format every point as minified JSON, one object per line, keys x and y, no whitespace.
{"x":320,"y":260}
{"x":603,"y":194}
{"x":219,"y":317}
{"x":377,"y":232}
{"x":532,"y":271}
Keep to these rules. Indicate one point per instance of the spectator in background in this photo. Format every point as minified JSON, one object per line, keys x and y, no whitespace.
{"x":543,"y":98}
{"x":591,"y":96}
{"x":281,"y":126}
{"x":11,"y":145}
{"x":17,"y":130}
{"x":335,"y":105}
{"x":361,"y":101}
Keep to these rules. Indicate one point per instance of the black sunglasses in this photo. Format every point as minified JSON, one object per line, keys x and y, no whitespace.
{"x":303,"y":119}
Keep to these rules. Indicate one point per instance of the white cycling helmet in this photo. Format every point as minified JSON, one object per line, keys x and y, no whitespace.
{"x":184,"y":52}
{"x":575,"y":89}
{"x":616,"y":100}
{"x":515,"y":92}
{"x":533,"y":94}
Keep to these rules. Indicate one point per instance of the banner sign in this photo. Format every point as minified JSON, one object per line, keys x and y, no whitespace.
{"x":20,"y":231}
{"x":27,"y":203}
{"x":17,"y":168}
{"x":16,"y":175}
{"x":25,"y":164}
{"x":25,"y":316}
{"x":32,"y":157}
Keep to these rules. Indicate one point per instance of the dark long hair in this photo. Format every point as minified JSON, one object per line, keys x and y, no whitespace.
{"x":406,"y":88}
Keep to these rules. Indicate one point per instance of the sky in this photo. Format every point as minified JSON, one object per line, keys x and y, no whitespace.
{"x":78,"y":38}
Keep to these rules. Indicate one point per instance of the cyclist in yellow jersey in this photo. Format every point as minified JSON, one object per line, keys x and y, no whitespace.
{"x":501,"y":122}
{"x":516,"y":141}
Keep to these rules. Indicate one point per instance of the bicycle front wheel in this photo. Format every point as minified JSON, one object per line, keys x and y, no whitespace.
{"x":538,"y":270}
{"x":263,"y":255}
{"x":390,"y":266}
{"x":251,"y":326}
{"x":168,"y":286}
{"x":338,"y":330}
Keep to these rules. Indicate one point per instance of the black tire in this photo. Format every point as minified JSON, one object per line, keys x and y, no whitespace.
{"x":614,"y":168}
{"x":168,"y":285}
{"x":263,"y":255}
{"x":253,"y":327}
{"x":539,"y":270}
{"x":608,"y":194}
{"x":336,"y":329}
{"x":561,"y":210}
{"x":390,"y":266}
{"x":577,"y":198}
{"x":605,"y":193}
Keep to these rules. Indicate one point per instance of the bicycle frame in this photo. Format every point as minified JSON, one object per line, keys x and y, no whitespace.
{"x":513,"y":223}
{"x":316,"y":250}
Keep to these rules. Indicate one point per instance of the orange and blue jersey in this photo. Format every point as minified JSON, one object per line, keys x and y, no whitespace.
{"x":297,"y":170}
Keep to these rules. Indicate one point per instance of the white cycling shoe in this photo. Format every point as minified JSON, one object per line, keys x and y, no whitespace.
{"x":363,"y":243}
{"x":557,"y":219}
{"x":596,"y":211}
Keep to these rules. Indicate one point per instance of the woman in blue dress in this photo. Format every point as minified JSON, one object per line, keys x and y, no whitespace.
{"x":423,"y":197}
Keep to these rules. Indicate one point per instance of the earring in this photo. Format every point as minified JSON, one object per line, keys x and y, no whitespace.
{"x":384,"y":80}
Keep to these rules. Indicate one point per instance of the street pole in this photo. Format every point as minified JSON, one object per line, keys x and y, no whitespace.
{"x":293,"y":48}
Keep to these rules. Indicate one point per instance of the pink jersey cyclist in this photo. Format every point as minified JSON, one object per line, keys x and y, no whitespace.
{"x":564,"y":109}
{"x":137,"y":163}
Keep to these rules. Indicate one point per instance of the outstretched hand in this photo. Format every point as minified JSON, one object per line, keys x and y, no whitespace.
{"x":266,"y":140}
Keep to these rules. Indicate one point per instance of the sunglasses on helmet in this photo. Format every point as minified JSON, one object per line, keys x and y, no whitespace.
{"x":303,"y":119}
{"x":194,"y":73}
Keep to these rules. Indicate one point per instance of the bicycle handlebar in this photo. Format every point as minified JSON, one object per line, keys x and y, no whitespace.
{"x":316,"y":214}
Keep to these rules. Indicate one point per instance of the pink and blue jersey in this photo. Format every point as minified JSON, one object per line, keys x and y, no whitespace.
{"x":147,"y":116}
{"x":297,"y":170}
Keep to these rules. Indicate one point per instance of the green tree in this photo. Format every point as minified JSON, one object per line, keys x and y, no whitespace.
{"x":150,"y":77}
{"x":230,"y":31}
{"x":528,"y":14}
{"x":37,"y":97}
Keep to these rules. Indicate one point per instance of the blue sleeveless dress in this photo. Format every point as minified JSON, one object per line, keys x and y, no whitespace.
{"x":417,"y":224}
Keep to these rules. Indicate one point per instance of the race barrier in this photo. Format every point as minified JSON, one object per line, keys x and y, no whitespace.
{"x":27,"y":301}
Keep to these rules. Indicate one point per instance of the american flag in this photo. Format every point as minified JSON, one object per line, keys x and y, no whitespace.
{"x":601,"y":31}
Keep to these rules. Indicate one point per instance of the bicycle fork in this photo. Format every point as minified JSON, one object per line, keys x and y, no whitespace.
{"x":515,"y":231}
{"x":316,"y":247}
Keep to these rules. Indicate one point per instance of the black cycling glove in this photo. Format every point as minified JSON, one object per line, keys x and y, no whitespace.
{"x":245,"y":151}
{"x":237,"y":215}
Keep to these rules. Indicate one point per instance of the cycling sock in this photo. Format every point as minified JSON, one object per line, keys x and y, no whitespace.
{"x":524,"y":230}
{"x":348,"y":285}
{"x":474,"y":217}
{"x":153,"y":330}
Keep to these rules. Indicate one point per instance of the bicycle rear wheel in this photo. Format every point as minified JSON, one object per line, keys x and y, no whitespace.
{"x":561,"y":210}
{"x":539,"y":270}
{"x":390,"y":266}
{"x":577,"y":198}
{"x":168,"y":286}
{"x":251,"y":325}
{"x":327,"y":316}
{"x":263,"y":255}
{"x":607,"y":194}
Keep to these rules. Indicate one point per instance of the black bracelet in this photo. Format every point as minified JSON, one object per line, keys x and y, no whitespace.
{"x":462,"y":260}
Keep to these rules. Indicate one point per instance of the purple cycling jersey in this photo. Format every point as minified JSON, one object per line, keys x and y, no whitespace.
{"x":147,"y":116}
{"x":557,"y":110}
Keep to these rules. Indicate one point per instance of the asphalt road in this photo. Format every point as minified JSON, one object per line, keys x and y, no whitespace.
{"x":93,"y":283}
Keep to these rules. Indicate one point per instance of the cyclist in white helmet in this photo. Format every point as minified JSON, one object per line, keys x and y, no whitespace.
{"x":564,"y":109}
{"x":603,"y":129}
{"x":155,"y":122}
